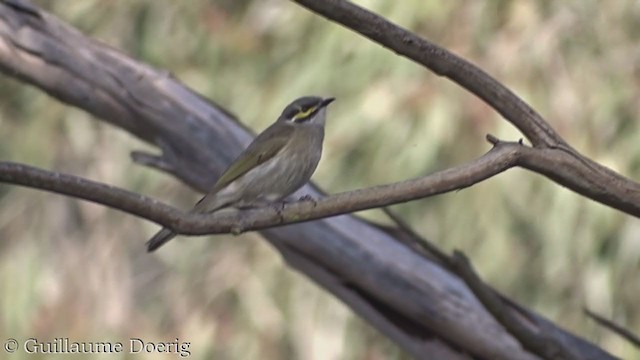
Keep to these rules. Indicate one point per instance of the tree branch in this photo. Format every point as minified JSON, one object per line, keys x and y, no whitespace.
{"x":501,"y":157}
{"x":403,"y":294}
{"x":540,"y":343}
{"x":582,"y":175}
{"x":441,"y":62}
{"x":625,"y":333}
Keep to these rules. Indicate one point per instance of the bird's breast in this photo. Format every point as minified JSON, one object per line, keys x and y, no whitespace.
{"x":283,"y":174}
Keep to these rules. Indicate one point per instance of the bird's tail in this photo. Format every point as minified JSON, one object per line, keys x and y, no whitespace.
{"x":209,"y":203}
{"x":159,"y":239}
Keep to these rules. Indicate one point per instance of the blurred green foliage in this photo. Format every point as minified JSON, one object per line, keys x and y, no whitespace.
{"x":69,"y":268}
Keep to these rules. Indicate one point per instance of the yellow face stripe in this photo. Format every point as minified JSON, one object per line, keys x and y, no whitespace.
{"x":304,"y":113}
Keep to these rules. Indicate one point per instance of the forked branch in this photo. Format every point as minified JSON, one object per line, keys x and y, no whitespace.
{"x":577,"y":172}
{"x":501,"y":157}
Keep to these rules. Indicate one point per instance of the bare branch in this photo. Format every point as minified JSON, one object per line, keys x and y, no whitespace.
{"x":625,"y":333}
{"x":582,"y":174}
{"x":537,"y":342}
{"x":406,"y":296}
{"x":500,"y":158}
{"x":441,"y":62}
{"x":415,"y":241}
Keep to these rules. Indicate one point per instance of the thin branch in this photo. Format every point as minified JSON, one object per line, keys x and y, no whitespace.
{"x":625,"y":333}
{"x":498,"y":159}
{"x":539,"y":343}
{"x":504,"y":155}
{"x":440,"y":61}
{"x":415,"y":241}
{"x":515,"y":319}
{"x":584,"y":176}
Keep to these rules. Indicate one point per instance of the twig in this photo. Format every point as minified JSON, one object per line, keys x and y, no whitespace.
{"x":625,"y":333}
{"x":538,"y":343}
{"x":416,"y":241}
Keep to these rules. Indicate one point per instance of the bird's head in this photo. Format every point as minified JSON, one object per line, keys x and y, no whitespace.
{"x":306,"y":110}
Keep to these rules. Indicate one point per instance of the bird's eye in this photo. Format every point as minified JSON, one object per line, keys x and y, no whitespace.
{"x":304,"y":113}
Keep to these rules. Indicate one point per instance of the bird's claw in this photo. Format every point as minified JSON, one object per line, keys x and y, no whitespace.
{"x":278,"y":206}
{"x":308,"y":198}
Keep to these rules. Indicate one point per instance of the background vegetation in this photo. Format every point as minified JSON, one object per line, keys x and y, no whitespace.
{"x":69,"y":268}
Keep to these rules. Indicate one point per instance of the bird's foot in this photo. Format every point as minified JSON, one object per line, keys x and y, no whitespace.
{"x":308,"y":198}
{"x":278,"y":206}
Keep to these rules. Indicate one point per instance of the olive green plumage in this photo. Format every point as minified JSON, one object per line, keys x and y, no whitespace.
{"x":278,"y":162}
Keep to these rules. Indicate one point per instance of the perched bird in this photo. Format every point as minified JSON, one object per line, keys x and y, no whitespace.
{"x":278,"y":162}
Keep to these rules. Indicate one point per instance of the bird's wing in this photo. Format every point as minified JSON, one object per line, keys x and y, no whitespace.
{"x":264,"y":147}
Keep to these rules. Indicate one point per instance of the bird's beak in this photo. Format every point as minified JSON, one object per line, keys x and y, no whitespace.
{"x":326,"y":102}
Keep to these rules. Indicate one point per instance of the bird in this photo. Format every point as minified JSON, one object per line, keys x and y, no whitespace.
{"x":277,"y":163}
